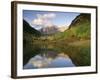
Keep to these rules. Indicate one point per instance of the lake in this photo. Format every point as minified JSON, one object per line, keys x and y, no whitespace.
{"x":55,"y":56}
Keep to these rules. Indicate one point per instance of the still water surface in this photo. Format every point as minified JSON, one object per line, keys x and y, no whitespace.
{"x":53,"y":55}
{"x":49,"y":59}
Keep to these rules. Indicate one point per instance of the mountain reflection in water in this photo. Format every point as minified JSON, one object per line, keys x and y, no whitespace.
{"x":50,"y":59}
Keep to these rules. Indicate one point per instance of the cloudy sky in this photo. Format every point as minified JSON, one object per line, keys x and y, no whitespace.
{"x":38,"y":19}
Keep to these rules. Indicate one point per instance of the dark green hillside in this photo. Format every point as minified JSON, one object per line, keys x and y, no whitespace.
{"x":29,"y":33}
{"x":28,"y":29}
{"x":82,"y":18}
{"x":78,"y":29}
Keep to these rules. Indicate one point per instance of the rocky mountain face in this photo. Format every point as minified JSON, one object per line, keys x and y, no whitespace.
{"x":49,"y":30}
{"x":52,"y":30}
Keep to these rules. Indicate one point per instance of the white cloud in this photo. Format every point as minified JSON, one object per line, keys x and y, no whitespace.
{"x":49,"y":16}
{"x":44,"y":20}
{"x":38,"y":21}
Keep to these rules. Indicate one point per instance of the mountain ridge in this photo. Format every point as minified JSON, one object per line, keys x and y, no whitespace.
{"x":79,"y":29}
{"x":80,"y":19}
{"x":28,"y":29}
